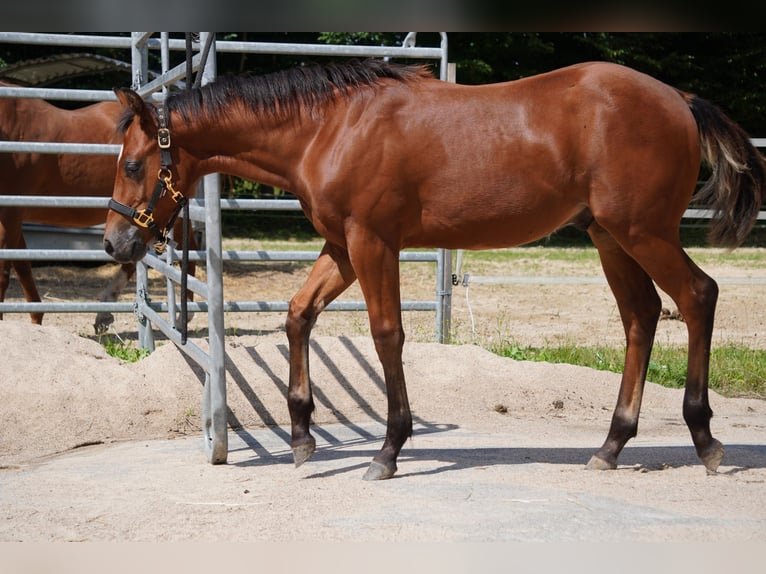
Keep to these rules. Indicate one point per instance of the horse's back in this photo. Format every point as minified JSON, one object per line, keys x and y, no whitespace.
{"x":513,"y":161}
{"x":23,"y":119}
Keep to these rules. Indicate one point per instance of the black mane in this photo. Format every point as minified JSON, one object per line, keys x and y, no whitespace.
{"x":284,"y":92}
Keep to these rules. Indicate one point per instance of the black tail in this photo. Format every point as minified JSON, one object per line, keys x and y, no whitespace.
{"x":737,"y":186}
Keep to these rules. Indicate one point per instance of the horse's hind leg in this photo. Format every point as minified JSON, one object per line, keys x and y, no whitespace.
{"x":639,"y":307}
{"x":11,"y":238}
{"x":377,"y":266}
{"x":695,"y":294}
{"x":330,"y":276}
{"x":24,"y":273}
{"x":5,"y":279}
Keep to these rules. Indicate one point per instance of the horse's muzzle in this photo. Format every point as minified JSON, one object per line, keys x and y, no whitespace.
{"x":125,"y":245}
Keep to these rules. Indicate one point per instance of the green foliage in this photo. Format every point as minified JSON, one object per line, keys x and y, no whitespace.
{"x":725,"y":67}
{"x":124,"y":350}
{"x":734,"y":370}
{"x":362,"y":38}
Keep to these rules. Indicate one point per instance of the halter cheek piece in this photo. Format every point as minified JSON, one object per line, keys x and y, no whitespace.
{"x":144,"y":217}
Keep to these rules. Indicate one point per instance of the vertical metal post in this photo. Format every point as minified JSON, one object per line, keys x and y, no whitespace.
{"x":164,"y":56}
{"x":145,"y":333}
{"x":139,"y":54}
{"x":214,"y":409}
{"x":444,"y":256}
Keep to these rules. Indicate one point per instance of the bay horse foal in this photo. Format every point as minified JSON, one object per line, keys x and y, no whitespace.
{"x":384,"y":157}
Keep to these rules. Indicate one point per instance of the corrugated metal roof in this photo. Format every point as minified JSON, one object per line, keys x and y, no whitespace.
{"x":51,"y":69}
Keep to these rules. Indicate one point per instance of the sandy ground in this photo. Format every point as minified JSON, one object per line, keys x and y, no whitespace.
{"x":94,"y":449}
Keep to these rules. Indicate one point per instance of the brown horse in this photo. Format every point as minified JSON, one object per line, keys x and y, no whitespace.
{"x":23,"y":119}
{"x":385,"y":157}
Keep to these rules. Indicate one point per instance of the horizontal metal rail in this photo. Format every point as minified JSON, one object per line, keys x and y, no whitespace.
{"x":469,"y":279}
{"x":228,"y":255}
{"x":197,"y":206}
{"x":193,"y":306}
{"x":62,"y":94}
{"x":58,"y":147}
{"x":94,"y":41}
{"x":329,"y":50}
{"x":81,"y":40}
{"x":197,"y":209}
{"x":709,"y":214}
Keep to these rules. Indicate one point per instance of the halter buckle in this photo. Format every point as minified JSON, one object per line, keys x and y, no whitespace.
{"x":143,"y":219}
{"x":163,"y":138}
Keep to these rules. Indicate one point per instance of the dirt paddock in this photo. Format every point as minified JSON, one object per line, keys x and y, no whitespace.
{"x":95,"y":449}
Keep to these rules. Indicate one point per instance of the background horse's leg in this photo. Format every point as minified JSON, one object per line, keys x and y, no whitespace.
{"x":11,"y":238}
{"x":117,"y":284}
{"x":695,"y":294}
{"x":377,"y":267}
{"x":24,"y":273}
{"x":639,"y":307}
{"x":110,"y":294}
{"x":330,"y":276}
{"x":5,"y":279}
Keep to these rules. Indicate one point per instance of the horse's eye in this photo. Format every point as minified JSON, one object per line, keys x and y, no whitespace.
{"x":133,"y":168}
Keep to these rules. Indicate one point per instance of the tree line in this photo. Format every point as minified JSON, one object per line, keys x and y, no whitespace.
{"x":724,"y":67}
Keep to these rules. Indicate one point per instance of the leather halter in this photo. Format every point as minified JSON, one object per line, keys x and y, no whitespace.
{"x":144,"y":217}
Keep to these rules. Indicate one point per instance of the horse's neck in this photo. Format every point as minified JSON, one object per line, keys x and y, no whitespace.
{"x":268,"y":152}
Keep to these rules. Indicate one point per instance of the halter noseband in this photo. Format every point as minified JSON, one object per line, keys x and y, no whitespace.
{"x":144,"y":217}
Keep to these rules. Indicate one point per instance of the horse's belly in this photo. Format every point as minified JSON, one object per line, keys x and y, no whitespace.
{"x":478,"y":228}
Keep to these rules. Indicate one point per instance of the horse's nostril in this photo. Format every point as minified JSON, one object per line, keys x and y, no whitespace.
{"x":108,"y":247}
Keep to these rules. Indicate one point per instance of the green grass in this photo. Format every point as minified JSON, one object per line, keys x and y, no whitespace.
{"x":120,"y":349}
{"x":734,"y":370}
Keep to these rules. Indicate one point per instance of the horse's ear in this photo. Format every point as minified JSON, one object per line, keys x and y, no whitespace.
{"x":130,"y":99}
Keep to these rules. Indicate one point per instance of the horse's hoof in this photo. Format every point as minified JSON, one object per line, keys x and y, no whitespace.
{"x":378,"y":471}
{"x":712,"y":456}
{"x":303,"y":452}
{"x":596,"y":463}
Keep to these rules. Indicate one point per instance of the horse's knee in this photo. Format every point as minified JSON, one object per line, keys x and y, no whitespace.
{"x":388,"y":337}
{"x":300,"y":319}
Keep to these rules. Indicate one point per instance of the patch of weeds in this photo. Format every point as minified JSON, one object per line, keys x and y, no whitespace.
{"x":126,"y":351}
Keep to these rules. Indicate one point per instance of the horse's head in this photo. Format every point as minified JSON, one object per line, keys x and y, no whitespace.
{"x":145,"y":200}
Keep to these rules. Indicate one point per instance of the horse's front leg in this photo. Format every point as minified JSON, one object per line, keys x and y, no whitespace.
{"x":330,"y":276}
{"x":377,"y":267}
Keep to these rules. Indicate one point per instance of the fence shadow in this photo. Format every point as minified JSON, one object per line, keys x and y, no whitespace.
{"x":346,"y":456}
{"x":345,"y":442}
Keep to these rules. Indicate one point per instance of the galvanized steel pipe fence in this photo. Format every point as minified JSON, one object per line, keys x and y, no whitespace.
{"x":214,"y":409}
